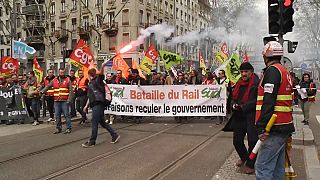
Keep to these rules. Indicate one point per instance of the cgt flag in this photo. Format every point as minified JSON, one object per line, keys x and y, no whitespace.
{"x":38,"y":72}
{"x":233,"y":68}
{"x":120,"y":64}
{"x":9,"y":65}
{"x":202,"y":64}
{"x":170,"y":59}
{"x":81,"y":56}
{"x":149,"y":60}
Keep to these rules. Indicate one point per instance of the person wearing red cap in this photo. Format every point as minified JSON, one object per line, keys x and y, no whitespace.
{"x":274,"y":97}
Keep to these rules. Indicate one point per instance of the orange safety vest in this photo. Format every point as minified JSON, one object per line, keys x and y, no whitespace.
{"x":61,"y":91}
{"x":82,"y":84}
{"x":50,"y":92}
{"x":311,"y":98}
{"x":283,"y":106}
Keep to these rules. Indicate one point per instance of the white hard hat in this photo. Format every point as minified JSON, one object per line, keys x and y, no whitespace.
{"x":272,"y":48}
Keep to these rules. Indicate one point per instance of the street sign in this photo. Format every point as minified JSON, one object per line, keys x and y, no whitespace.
{"x":303,"y":66}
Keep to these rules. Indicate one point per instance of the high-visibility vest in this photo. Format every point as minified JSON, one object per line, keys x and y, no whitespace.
{"x":61,"y":91}
{"x":81,"y":84}
{"x":311,"y":98}
{"x":283,"y":107}
{"x":74,"y":83}
{"x":50,"y":92}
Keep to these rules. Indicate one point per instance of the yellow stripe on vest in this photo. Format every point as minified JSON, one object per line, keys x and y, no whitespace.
{"x":279,"y":98}
{"x":277,"y":108}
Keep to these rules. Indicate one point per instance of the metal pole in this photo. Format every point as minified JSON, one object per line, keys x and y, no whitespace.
{"x":64,"y":58}
{"x":13,"y":25}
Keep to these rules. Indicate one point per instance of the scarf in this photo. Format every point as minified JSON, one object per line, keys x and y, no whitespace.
{"x":247,"y":84}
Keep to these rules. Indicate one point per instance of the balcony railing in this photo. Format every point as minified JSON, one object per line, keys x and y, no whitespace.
{"x":35,"y":40}
{"x":34,"y":24}
{"x":110,"y":28}
{"x":33,"y":9}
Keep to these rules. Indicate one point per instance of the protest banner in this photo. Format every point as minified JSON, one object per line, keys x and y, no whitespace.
{"x":12,"y":106}
{"x":233,"y":68}
{"x":170,"y":59}
{"x":149,"y":60}
{"x":168,"y":100}
{"x":9,"y":66}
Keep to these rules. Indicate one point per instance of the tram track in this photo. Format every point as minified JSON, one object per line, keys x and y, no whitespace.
{"x":104,"y":155}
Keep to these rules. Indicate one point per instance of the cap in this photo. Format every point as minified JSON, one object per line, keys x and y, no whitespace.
{"x":272,"y":48}
{"x":246,"y":66}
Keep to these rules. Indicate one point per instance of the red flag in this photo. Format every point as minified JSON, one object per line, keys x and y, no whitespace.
{"x":81,"y":55}
{"x":120,"y":64}
{"x":246,"y":58}
{"x":9,"y":65}
{"x":152,"y":53}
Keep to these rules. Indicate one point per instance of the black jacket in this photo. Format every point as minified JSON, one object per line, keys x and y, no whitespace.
{"x":247,"y":110}
{"x":271,"y":76}
{"x":310,"y":92}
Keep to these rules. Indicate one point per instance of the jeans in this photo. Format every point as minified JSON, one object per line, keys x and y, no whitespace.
{"x":62,"y":107}
{"x":305,"y":106}
{"x":80,"y":104}
{"x":72,"y":104}
{"x":33,"y":106}
{"x":50,"y":105}
{"x":270,"y":163}
{"x":98,"y":117}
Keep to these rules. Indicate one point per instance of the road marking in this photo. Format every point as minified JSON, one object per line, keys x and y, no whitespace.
{"x":318,"y":118}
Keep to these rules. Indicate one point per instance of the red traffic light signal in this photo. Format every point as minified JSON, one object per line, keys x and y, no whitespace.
{"x":287,"y":3}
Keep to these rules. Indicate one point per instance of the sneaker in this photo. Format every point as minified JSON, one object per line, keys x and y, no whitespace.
{"x":115,"y":139}
{"x":88,"y":144}
{"x":68,"y":131}
{"x":50,"y":119}
{"x":57,"y":131}
{"x":35,"y":123}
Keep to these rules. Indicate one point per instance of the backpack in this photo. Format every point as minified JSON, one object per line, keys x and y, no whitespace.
{"x":107,"y":94}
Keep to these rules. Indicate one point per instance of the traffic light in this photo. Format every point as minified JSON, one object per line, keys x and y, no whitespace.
{"x":274,"y":15}
{"x":287,"y":15}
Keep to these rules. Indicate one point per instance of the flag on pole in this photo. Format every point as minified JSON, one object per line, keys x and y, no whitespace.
{"x":202,"y":64}
{"x":149,"y":60}
{"x":136,"y":66}
{"x":20,"y":50}
{"x":38,"y":72}
{"x":170,"y":59}
{"x":81,"y":56}
{"x":246,"y":58}
{"x":120,"y":64}
{"x":233,"y":68}
{"x":9,"y":66}
{"x":221,"y":57}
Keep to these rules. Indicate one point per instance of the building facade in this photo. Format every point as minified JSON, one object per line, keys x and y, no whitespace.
{"x":54,"y":27}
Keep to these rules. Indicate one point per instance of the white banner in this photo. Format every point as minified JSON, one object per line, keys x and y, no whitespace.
{"x":175,"y":100}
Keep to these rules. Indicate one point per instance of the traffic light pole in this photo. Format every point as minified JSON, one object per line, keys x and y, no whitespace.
{"x":280,"y":36}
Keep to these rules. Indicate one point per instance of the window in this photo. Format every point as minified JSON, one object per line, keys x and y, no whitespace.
{"x":73,"y":43}
{"x":125,"y":17}
{"x":53,"y":9}
{"x":2,"y":52}
{"x":156,"y":3}
{"x":112,"y":43}
{"x":155,"y":19}
{"x":19,"y":35}
{"x":98,"y":2}
{"x":123,"y":1}
{"x":63,"y":6}
{"x":18,"y":22}
{"x":1,"y":26}
{"x":98,"y":20}
{"x":185,"y":17}
{"x":141,"y":1}
{"x":125,"y":38}
{"x":53,"y":26}
{"x":148,"y":18}
{"x":140,"y":17}
{"x":166,"y":6}
{"x":177,"y":30}
{"x":177,"y":13}
{"x":160,"y":4}
{"x":1,"y":12}
{"x":1,"y":39}
{"x":171,"y":9}
{"x":74,"y":5}
{"x":181,"y":15}
{"x":8,"y":52}
{"x":110,"y":17}
{"x":63,"y":27}
{"x":8,"y":24}
{"x":74,"y":24}
{"x":86,"y":3}
{"x":85,"y":24}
